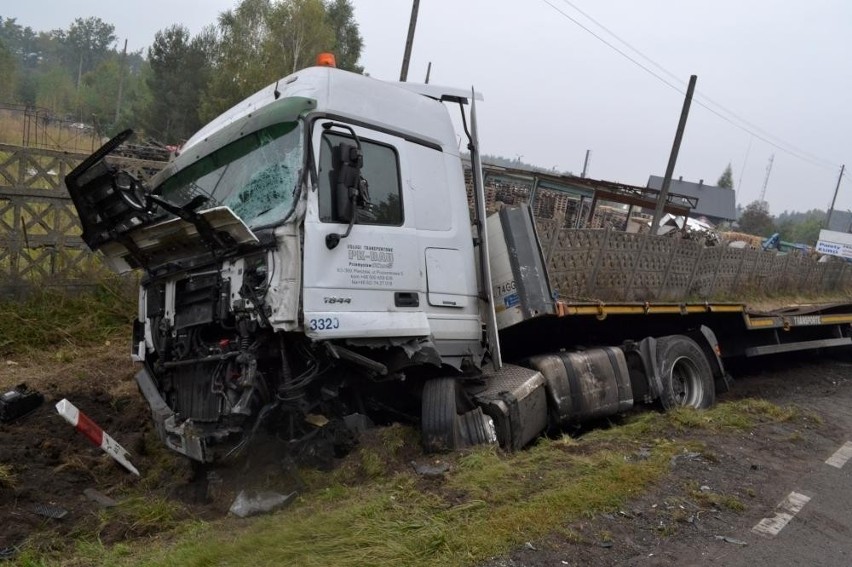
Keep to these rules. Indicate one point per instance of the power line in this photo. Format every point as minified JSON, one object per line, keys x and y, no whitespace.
{"x":743,"y":124}
{"x":701,"y":96}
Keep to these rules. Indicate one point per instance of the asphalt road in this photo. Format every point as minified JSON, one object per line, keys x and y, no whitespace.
{"x":813,"y":526}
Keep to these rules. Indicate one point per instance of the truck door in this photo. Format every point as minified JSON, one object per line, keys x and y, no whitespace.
{"x":370,"y":284}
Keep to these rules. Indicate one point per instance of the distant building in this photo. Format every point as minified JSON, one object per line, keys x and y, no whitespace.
{"x":716,"y":203}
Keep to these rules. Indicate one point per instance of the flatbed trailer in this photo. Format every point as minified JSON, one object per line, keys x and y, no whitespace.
{"x":742,"y":331}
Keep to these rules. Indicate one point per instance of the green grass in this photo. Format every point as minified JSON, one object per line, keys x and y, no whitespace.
{"x":709,"y":499}
{"x":63,"y":322}
{"x":141,"y":516}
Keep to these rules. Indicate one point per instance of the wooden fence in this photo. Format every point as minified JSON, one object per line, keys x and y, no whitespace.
{"x":40,"y":241}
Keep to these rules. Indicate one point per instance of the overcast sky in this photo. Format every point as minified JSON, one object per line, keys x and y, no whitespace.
{"x":552,"y":90}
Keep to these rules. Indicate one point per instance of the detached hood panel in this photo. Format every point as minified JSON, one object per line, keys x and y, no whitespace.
{"x":153,"y":245}
{"x":130,"y":238}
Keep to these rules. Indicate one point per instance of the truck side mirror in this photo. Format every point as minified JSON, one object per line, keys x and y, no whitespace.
{"x":346,"y":161}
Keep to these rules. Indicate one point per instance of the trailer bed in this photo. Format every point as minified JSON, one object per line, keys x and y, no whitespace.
{"x":741,"y":331}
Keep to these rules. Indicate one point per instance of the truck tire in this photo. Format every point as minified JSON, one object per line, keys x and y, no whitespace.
{"x":439,"y":424}
{"x":685,"y":373}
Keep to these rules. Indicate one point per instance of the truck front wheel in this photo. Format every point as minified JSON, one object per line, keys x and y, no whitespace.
{"x":439,"y":420}
{"x":450,"y":420}
{"x":685,"y":372}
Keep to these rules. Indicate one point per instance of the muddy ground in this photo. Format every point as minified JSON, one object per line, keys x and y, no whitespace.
{"x":708,"y":495}
{"x":52,"y":464}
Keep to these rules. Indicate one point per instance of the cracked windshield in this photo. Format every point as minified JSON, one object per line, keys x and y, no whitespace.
{"x":255,"y":176}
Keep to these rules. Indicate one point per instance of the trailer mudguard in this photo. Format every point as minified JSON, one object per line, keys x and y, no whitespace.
{"x":706,"y":339}
{"x":648,"y":352}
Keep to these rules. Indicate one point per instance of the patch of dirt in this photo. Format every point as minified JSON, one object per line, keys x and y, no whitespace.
{"x":52,"y":464}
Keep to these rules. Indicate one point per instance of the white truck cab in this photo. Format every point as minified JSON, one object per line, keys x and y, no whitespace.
{"x":325,"y":216}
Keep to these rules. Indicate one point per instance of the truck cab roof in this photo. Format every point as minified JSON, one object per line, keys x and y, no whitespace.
{"x":406,"y":108}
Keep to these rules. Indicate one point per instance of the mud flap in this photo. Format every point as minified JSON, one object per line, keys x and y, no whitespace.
{"x":648,"y":352}
{"x":706,"y":339}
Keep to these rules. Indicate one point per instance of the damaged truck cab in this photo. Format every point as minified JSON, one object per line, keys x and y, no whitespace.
{"x":307,"y":254}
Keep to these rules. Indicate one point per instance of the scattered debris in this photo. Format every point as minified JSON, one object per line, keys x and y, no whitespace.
{"x":358,"y":423}
{"x":605,"y":544}
{"x":95,"y":434}
{"x":685,"y":456}
{"x":316,"y":420}
{"x":50,"y":511}
{"x":529,"y":545}
{"x":727,"y":539}
{"x":246,"y":505}
{"x":99,"y":498}
{"x":18,"y":402}
{"x":438,"y":469}
{"x":704,"y":488}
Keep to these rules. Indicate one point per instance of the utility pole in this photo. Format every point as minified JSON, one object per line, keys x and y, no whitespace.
{"x":586,"y":164}
{"x":120,"y":83}
{"x":836,"y":189}
{"x":403,"y":74}
{"x":667,"y":180}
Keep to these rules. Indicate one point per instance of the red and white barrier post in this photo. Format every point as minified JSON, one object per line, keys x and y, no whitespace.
{"x":94,"y":433}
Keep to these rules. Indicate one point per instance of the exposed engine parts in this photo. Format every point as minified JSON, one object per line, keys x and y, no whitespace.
{"x":223,"y":374}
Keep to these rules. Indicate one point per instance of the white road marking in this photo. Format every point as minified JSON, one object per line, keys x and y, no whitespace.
{"x":839,"y":458}
{"x":786,"y":510}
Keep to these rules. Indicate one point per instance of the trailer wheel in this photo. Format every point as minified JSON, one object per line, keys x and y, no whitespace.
{"x":439,"y":424}
{"x":685,"y":373}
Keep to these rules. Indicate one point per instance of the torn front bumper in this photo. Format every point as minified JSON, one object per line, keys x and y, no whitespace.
{"x":183,"y":438}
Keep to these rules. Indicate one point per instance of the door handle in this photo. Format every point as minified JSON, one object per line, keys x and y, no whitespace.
{"x":406,"y":299}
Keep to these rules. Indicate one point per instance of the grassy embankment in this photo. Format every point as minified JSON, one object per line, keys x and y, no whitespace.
{"x":52,"y":321}
{"x":374,"y":511}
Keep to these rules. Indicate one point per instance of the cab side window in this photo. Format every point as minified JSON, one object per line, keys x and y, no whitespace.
{"x":381,"y":170}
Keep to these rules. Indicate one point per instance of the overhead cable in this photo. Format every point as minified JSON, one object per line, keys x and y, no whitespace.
{"x":722,"y":112}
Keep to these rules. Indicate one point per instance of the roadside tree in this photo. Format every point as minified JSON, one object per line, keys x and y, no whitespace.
{"x":756,"y":220}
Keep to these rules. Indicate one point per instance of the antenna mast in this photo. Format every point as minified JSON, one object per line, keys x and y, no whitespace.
{"x":765,"y":183}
